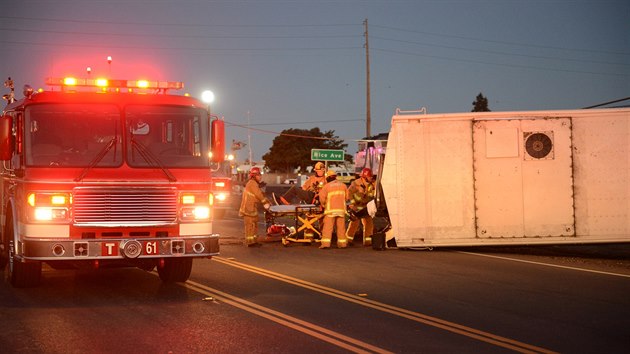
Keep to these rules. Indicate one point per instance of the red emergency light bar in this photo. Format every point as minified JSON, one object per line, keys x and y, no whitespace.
{"x":108,"y":83}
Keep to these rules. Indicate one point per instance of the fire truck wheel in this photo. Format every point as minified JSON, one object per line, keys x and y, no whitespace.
{"x":175,"y":270}
{"x":20,"y":274}
{"x":23,"y":274}
{"x":4,"y":256}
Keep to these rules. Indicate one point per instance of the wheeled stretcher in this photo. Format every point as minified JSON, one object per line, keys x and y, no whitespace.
{"x":307,"y":223}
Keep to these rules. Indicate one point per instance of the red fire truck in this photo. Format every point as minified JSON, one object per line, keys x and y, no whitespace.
{"x":222,"y":191}
{"x":106,"y":173}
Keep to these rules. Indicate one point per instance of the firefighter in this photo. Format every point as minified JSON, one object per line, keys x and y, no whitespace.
{"x":361,"y":192}
{"x":333,"y":198}
{"x":309,"y":190}
{"x":248,"y":210}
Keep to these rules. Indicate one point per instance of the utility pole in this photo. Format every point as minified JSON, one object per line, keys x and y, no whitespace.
{"x":368,"y":119}
{"x":249,"y":138}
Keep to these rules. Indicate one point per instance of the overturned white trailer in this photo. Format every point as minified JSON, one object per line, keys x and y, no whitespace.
{"x":508,"y":178}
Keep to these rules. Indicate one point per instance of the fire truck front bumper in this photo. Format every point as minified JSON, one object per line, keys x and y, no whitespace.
{"x":127,"y":248}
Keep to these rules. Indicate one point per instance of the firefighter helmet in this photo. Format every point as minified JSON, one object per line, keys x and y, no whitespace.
{"x":319,"y":166}
{"x":331,"y":175}
{"x":366,"y":173}
{"x":255,"y":171}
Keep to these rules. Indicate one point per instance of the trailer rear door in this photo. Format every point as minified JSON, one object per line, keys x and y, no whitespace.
{"x":523,"y":178}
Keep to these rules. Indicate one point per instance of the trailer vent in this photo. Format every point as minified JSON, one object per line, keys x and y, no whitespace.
{"x":538,"y":145}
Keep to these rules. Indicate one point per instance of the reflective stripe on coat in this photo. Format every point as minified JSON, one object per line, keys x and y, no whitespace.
{"x":361,"y":193}
{"x":251,"y":195}
{"x":333,"y":198}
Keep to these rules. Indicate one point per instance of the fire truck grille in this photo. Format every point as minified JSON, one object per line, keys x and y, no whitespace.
{"x":125,"y":207}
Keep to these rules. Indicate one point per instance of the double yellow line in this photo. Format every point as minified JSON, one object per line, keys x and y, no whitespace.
{"x":397,"y":311}
{"x":345,"y":342}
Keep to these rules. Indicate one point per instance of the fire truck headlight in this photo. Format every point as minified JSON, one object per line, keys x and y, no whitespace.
{"x":49,"y":206}
{"x":50,"y":214}
{"x":195,"y":213}
{"x":202,"y":213}
{"x":195,"y":206}
{"x":221,"y":197}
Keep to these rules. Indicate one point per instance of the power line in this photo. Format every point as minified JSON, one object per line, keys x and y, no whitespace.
{"x":296,"y":48}
{"x":91,"y":22}
{"x":501,"y":42}
{"x":49,"y":44}
{"x":499,"y":64}
{"x":296,"y":37}
{"x":183,"y":36}
{"x":499,"y":52}
{"x":331,"y":25}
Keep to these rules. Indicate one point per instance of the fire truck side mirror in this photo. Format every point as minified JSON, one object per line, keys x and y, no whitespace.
{"x":217,"y":140}
{"x":6,"y":148}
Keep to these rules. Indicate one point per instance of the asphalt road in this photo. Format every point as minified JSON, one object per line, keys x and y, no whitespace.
{"x":299,"y":299}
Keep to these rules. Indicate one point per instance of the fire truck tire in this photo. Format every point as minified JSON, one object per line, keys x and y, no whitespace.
{"x":20,"y":274}
{"x":23,"y":274}
{"x":4,"y":256}
{"x":175,"y":270}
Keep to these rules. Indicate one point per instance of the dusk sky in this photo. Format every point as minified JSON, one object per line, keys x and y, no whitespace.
{"x":301,"y":64}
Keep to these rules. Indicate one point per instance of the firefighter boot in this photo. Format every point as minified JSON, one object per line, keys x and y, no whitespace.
{"x":367,"y":241}
{"x":252,"y":241}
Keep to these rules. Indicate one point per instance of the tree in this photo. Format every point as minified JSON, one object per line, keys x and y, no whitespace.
{"x":480,"y":104}
{"x":292,"y":148}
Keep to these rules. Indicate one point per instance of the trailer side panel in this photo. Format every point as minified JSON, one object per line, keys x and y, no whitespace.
{"x":506,"y":178}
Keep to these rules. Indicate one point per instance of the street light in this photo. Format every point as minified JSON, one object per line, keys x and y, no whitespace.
{"x":208,"y":97}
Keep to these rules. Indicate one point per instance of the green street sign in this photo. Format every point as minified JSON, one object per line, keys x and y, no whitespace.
{"x":327,"y":155}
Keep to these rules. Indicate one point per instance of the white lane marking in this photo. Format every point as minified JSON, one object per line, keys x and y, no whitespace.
{"x":547,"y":264}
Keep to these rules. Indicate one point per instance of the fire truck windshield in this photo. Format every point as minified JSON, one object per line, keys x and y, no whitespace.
{"x":92,"y":135}
{"x":71,"y":135}
{"x":174,"y":136}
